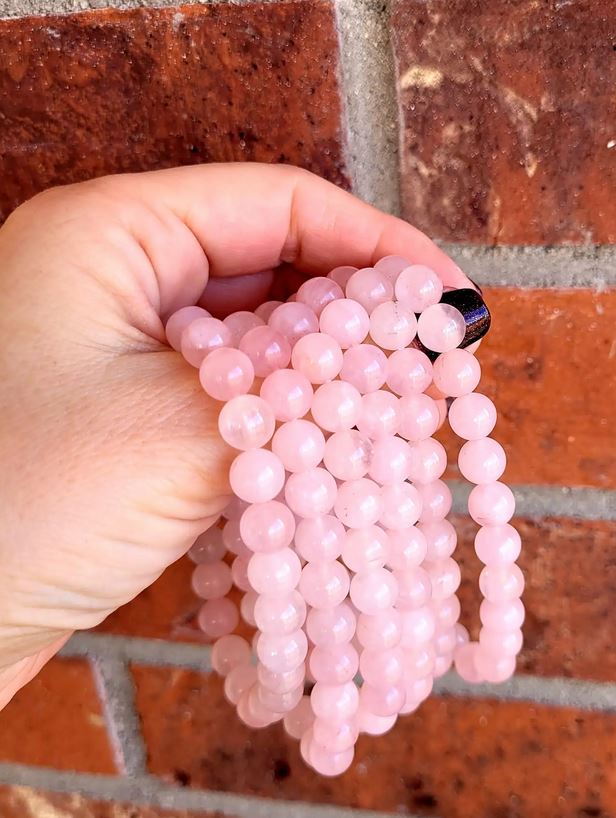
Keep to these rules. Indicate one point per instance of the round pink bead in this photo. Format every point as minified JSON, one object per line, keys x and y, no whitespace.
{"x":319,"y":538}
{"x":494,"y":669}
{"x":502,"y":616}
{"x":501,"y":583}
{"x":226,"y":373}
{"x":267,"y":526}
{"x":390,"y":460}
{"x":370,"y":288}
{"x":300,"y":719}
{"x":498,"y":544}
{"x":418,"y":287}
{"x":382,"y":701}
{"x":318,"y":292}
{"x":178,"y":322}
{"x":358,"y":503}
{"x":445,"y":577}
{"x":282,"y":653}
{"x":491,"y":504}
{"x":329,"y":763}
{"x":391,"y":266}
{"x":335,"y":736}
{"x":294,"y":321}
{"x":374,"y":590}
{"x":347,"y":455}
{"x":342,"y":274}
{"x":239,"y":323}
{"x":289,"y":394}
{"x":310,"y":493}
{"x":280,"y":614}
{"x":380,"y":630}
{"x":233,"y":539}
{"x":418,"y":663}
{"x":212,"y":580}
{"x":418,"y":626}
{"x":472,"y":416}
{"x":501,"y":643}
{"x":346,"y":321}
{"x":264,"y":310}
{"x":392,"y":326}
{"x":267,"y":349}
{"x":277,"y":572}
{"x":247,"y":608}
{"x":336,"y":406}
{"x":334,"y":626}
{"x":419,"y":417}
{"x":280,"y":702}
{"x":208,"y":547}
{"x":239,"y":680}
{"x":234,"y":508}
{"x":256,"y":476}
{"x":408,"y":372}
{"x":201,"y":337}
{"x":401,"y":506}
{"x":299,"y":444}
{"x":335,"y":703}
{"x":318,"y":356}
{"x":447,"y":611}
{"x":456,"y":373}
{"x":414,"y":588}
{"x":465,"y":660}
{"x":246,"y":422}
{"x":427,"y":460}
{"x":378,"y":415}
{"x":436,"y":501}
{"x":364,"y":367}
{"x":230,"y":652}
{"x":416,"y":692}
{"x":335,"y":665}
{"x":441,"y":539}
{"x":239,"y":573}
{"x":324,"y":584}
{"x":281,"y":681}
{"x":218,"y":617}
{"x":482,"y":461}
{"x":381,"y":667}
{"x":407,"y":548}
{"x":441,"y":327}
{"x":445,"y":642}
{"x":374,"y":725}
{"x":251,"y":711}
{"x":365,"y":548}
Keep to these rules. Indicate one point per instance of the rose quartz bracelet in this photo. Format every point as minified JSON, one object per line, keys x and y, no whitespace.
{"x":336,"y":534}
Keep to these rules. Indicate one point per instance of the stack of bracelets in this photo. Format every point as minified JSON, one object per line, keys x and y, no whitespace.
{"x":337,"y":533}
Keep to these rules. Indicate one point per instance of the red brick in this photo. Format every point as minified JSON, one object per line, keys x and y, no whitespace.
{"x":453,"y":758}
{"x":508,"y":115}
{"x":549,"y":363}
{"x":112,"y":91}
{"x":56,"y":721}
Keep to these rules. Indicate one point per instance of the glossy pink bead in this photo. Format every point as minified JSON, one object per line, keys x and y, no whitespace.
{"x":456,"y":373}
{"x":418,"y":663}
{"x":310,"y":493}
{"x":445,"y":577}
{"x":348,"y":455}
{"x":226,"y":373}
{"x":391,"y":266}
{"x":239,"y":680}
{"x":212,"y":580}
{"x":318,"y":356}
{"x":491,"y":504}
{"x":418,"y":626}
{"x":378,"y":415}
{"x":374,"y":725}
{"x":414,"y":588}
{"x":336,"y":406}
{"x":334,"y":626}
{"x":441,"y":539}
{"x":408,"y":372}
{"x":382,"y":701}
{"x":379,"y":631}
{"x":280,"y":702}
{"x":178,"y":322}
{"x":318,"y":292}
{"x":300,"y":719}
{"x":234,"y":508}
{"x":418,"y":287}
{"x":358,"y":503}
{"x":427,"y":460}
{"x":267,"y":349}
{"x":346,"y":321}
{"x":465,"y":660}
{"x":374,"y":590}
{"x":389,"y":462}
{"x":419,"y":417}
{"x":335,"y":703}
{"x":246,"y":422}
{"x":232,"y":538}
{"x":370,"y":288}
{"x":472,"y":416}
{"x":281,"y":681}
{"x":201,"y":337}
{"x":494,"y":669}
{"x":501,"y":643}
{"x":446,"y":611}
{"x":299,"y":444}
{"x":294,"y":321}
{"x":381,"y":667}
{"x":407,"y":548}
{"x":441,"y":327}
{"x":218,"y":617}
{"x":502,"y":616}
{"x":230,"y":652}
{"x":289,"y":394}
{"x":256,"y":476}
{"x":342,"y":274}
{"x":239,"y":573}
{"x":267,"y":526}
{"x":329,"y":763}
{"x":208,"y":547}
{"x":335,"y":736}
{"x":392,"y":326}
{"x":277,"y":572}
{"x":280,"y":614}
{"x":364,"y":367}
{"x":263,"y":311}
{"x":241,"y":322}
{"x":247,"y":608}
{"x":482,"y":461}
{"x":401,"y":506}
{"x":319,"y":538}
{"x":501,"y":583}
{"x":436,"y":501}
{"x":282,"y":653}
{"x":334,"y":665}
{"x":324,"y":584}
{"x":498,"y":544}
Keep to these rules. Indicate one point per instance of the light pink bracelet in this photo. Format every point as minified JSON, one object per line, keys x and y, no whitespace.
{"x":337,"y":529}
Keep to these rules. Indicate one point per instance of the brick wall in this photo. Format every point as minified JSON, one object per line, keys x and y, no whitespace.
{"x":492,"y":126}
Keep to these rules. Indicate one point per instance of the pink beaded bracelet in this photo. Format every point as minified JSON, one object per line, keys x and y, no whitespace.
{"x":336,"y":533}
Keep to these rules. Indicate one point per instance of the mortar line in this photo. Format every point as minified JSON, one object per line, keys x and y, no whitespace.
{"x":151,"y":791}
{"x":12,"y":9}
{"x":117,"y":692}
{"x":369,"y":100}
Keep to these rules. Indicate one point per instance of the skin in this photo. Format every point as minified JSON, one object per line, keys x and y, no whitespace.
{"x":111,"y":461}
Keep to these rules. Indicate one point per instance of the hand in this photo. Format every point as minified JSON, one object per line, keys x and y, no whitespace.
{"x":111,"y":461}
